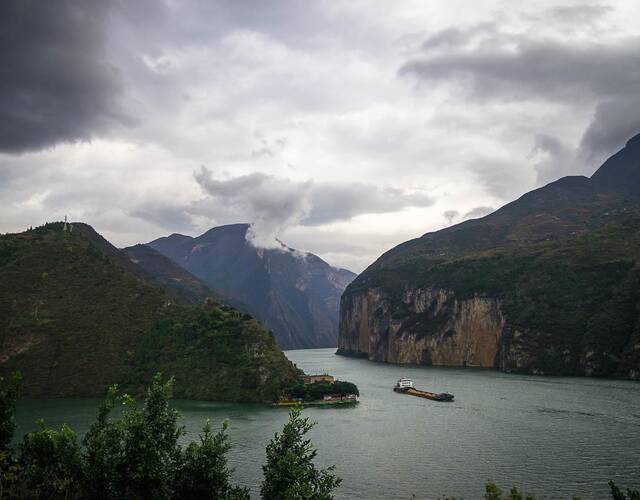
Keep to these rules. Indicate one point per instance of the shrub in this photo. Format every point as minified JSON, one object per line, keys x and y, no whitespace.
{"x":289,"y":471}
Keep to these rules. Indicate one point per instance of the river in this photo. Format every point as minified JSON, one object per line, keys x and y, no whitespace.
{"x":551,"y":436}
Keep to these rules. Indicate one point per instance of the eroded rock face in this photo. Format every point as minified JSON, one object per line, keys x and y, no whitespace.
{"x":428,"y":326}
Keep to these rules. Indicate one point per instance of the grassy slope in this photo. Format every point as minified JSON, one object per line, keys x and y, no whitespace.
{"x":76,"y":316}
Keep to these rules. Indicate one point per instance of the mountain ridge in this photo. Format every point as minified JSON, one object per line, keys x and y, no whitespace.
{"x":469,"y":294}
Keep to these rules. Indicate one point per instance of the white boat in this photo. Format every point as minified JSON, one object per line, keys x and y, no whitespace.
{"x":403,"y":384}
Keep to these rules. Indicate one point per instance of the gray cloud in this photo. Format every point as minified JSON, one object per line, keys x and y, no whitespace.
{"x":508,"y":67}
{"x":451,"y":215}
{"x":553,"y":159}
{"x":576,"y":14}
{"x":273,"y":204}
{"x":172,"y":218}
{"x":56,"y":83}
{"x":492,"y":64}
{"x":334,"y":202}
{"x":477,"y":212}
{"x":614,"y":122}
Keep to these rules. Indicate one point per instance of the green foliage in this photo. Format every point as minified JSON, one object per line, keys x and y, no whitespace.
{"x":71,"y":302}
{"x":50,"y":464}
{"x":492,"y":492}
{"x":215,"y":353}
{"x":618,"y":494}
{"x":9,"y":390}
{"x":135,"y":456}
{"x":203,"y":472}
{"x":316,"y":390}
{"x":289,"y":472}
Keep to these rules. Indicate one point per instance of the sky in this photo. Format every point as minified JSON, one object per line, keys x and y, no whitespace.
{"x":342,"y":128}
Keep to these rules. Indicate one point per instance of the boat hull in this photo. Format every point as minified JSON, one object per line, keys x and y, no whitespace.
{"x":433,"y":396}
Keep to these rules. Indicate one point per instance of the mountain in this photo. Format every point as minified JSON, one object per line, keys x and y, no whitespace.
{"x":547,"y":284}
{"x":181,"y":285}
{"x":77,"y":315}
{"x":295,"y":294}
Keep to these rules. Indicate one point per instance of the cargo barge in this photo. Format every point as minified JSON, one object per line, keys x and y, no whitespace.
{"x":405,"y":386}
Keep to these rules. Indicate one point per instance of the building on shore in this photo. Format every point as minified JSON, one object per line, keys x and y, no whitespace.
{"x":311,"y":379}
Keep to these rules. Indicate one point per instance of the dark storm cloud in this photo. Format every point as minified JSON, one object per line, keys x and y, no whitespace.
{"x":56,"y":84}
{"x":491,"y":64}
{"x":509,"y":67}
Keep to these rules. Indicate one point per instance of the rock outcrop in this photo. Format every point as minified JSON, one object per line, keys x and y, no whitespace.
{"x":548,"y":284}
{"x":438,"y":329}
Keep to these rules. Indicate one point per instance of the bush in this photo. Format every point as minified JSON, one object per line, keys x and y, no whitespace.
{"x":290,"y":472}
{"x":203,"y":472}
{"x":9,"y":390}
{"x":50,"y":464}
{"x":316,"y":390}
{"x":134,"y":456}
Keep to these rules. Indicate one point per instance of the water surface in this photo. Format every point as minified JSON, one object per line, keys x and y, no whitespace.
{"x":554,"y":437}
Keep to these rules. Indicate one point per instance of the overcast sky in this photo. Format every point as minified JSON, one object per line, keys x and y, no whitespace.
{"x":341,"y":127}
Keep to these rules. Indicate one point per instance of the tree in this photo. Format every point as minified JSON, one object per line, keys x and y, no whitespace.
{"x":135,"y":456}
{"x":49,"y":464}
{"x":138,"y":455}
{"x":9,"y":390}
{"x":492,"y":492}
{"x":618,"y":494}
{"x":203,"y":473}
{"x":289,"y":472}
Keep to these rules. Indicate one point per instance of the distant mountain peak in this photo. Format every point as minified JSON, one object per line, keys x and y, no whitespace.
{"x":268,"y":280}
{"x":634,"y":142}
{"x":621,"y":172}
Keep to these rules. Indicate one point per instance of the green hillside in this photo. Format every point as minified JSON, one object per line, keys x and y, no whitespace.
{"x":77,"y":315}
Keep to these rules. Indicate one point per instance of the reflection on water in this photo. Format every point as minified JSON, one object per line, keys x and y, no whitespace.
{"x":551,"y":436}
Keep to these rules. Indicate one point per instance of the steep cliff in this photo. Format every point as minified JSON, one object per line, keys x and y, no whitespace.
{"x":294,"y":294}
{"x":547,"y":284}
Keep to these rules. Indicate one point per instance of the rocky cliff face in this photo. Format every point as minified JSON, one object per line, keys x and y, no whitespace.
{"x":549,"y":284}
{"x":436,"y":328}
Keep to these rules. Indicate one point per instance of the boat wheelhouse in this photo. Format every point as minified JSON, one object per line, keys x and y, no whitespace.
{"x":403,"y":384}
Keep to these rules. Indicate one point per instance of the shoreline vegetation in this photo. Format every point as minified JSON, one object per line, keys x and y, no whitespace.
{"x":319,"y":390}
{"x":137,"y":455}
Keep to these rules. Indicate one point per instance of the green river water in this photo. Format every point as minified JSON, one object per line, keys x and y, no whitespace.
{"x":554,"y":437}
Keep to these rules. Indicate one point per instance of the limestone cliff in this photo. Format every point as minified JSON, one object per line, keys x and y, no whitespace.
{"x":437,"y":328}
